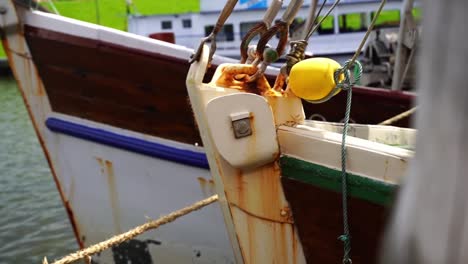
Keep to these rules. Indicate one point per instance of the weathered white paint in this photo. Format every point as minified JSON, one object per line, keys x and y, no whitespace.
{"x":253,"y":203}
{"x":389,"y":135}
{"x":112,"y":183}
{"x":366,"y":158}
{"x":245,"y":192}
{"x":243,"y":152}
{"x":111,"y":190}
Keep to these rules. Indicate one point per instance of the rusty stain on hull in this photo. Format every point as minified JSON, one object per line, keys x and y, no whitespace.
{"x":258,"y":193}
{"x":207,"y":186}
{"x":257,"y":235}
{"x":288,"y":220}
{"x":107,"y":170}
{"x":261,"y":216}
{"x":20,"y":84}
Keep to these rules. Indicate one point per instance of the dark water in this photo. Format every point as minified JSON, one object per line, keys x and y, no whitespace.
{"x":33,"y":222}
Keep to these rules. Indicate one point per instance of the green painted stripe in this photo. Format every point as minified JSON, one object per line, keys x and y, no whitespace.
{"x":374,"y":191}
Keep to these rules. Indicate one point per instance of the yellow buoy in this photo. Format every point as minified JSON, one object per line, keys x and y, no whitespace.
{"x":312,"y":79}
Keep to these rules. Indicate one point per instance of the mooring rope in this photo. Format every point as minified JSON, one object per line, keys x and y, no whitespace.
{"x":398,"y":117}
{"x":89,"y":251}
{"x":347,"y":85}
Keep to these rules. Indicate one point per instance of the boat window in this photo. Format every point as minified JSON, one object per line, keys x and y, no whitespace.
{"x":327,"y":27}
{"x":225,"y":34}
{"x":246,"y":26}
{"x":295,"y":27}
{"x":186,"y":23}
{"x":166,"y":24}
{"x":387,"y":18}
{"x":353,"y":22}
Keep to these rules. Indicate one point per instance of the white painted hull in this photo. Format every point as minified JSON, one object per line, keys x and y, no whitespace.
{"x":107,"y":189}
{"x":112,"y":190}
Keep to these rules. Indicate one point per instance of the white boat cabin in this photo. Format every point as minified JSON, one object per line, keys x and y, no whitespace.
{"x":339,"y":34}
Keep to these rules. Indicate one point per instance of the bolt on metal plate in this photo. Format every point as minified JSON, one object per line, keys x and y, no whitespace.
{"x":241,"y":124}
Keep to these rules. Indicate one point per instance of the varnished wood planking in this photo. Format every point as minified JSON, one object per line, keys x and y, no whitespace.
{"x":368,"y":106}
{"x":81,"y":76}
{"x":318,"y":217}
{"x":113,"y":85}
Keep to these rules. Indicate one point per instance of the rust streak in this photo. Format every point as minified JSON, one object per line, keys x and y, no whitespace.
{"x":294,"y":245}
{"x":207,"y":186}
{"x":260,"y":217}
{"x":235,"y":77}
{"x":252,"y":235}
{"x":281,"y":244}
{"x":113,"y":196}
{"x":34,"y":123}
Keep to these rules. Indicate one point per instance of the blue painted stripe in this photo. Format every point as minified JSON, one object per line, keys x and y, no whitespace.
{"x":132,"y":144}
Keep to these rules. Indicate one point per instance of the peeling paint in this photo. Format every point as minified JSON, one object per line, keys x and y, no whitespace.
{"x":107,"y":170}
{"x":26,"y":60}
{"x":207,"y":186}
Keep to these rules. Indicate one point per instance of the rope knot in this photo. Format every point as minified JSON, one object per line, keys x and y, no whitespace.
{"x":346,"y":83}
{"x":346,"y":239}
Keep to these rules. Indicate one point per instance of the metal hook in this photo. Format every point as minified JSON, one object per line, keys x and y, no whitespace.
{"x":225,"y":13}
{"x":260,"y":28}
{"x":281,"y":27}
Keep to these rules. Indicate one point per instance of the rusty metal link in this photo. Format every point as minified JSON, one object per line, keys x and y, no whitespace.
{"x":252,"y":55}
{"x":258,"y":29}
{"x":281,"y":28}
{"x":269,"y":55}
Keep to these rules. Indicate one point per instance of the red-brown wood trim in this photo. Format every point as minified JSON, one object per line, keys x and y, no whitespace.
{"x":318,"y":217}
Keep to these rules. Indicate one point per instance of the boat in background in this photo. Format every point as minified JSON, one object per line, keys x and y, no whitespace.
{"x":340,"y":33}
{"x":110,"y":110}
{"x":337,"y":37}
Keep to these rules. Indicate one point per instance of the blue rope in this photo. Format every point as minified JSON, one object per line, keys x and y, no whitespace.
{"x":346,"y":84}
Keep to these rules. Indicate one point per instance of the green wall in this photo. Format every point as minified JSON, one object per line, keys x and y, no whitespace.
{"x":112,"y":13}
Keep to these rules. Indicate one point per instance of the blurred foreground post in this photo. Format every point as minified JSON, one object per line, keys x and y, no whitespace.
{"x":430,"y":221}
